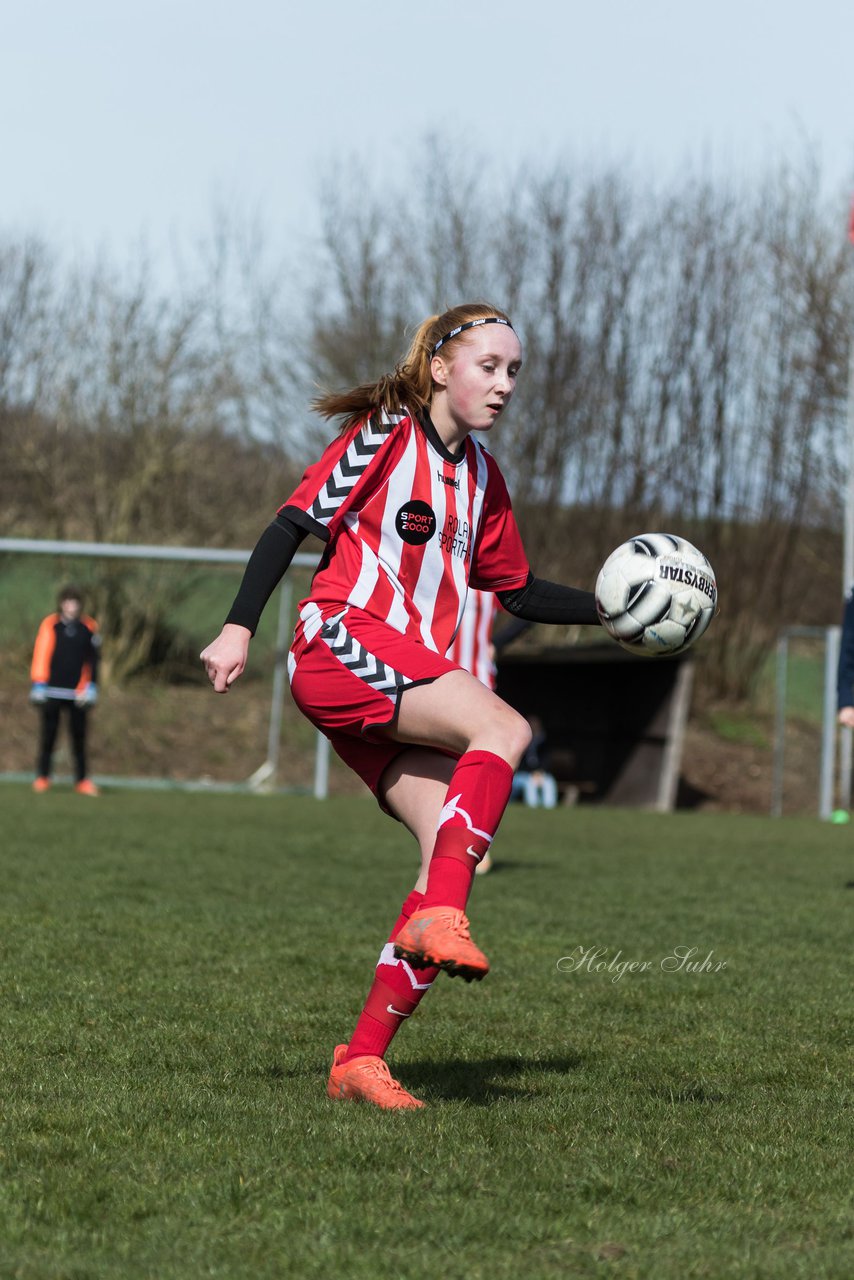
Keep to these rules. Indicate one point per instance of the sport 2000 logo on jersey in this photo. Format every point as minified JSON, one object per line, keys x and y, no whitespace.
{"x":415,"y":522}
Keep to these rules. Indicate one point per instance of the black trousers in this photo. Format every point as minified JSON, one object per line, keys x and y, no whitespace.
{"x":51,"y":711}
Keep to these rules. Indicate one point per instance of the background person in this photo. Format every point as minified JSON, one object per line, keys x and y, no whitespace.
{"x":64,"y":679}
{"x":845,"y":669}
{"x":473,"y":646}
{"x":532,"y":781}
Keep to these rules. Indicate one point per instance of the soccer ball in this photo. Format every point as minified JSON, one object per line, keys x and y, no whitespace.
{"x":656,"y":594}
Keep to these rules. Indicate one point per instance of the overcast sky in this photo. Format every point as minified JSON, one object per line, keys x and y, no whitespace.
{"x":126,"y":122}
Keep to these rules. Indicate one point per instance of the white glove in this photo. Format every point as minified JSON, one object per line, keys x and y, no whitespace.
{"x":88,"y":697}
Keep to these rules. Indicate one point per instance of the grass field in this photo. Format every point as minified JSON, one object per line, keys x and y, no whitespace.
{"x":176,"y":970}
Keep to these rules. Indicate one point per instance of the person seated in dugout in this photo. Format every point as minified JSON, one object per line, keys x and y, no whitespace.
{"x":532,"y":781}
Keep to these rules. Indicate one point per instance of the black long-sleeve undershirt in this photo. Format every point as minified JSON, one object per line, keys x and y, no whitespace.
{"x":265,"y":568}
{"x":537,"y":601}
{"x":542,"y":601}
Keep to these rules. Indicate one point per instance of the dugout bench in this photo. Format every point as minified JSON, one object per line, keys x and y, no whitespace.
{"x":614,"y":722}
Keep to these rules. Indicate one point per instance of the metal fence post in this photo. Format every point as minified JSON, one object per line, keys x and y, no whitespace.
{"x":280,"y":674}
{"x":321,"y":767}
{"x":780,"y":725}
{"x":828,"y":723}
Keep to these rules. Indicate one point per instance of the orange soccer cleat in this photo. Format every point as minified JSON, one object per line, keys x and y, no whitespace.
{"x":87,"y":788}
{"x":367,"y":1079}
{"x":41,"y":785}
{"x":440,"y":935}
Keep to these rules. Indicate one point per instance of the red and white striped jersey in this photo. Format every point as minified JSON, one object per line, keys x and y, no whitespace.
{"x":472,"y":645}
{"x":408,"y":528}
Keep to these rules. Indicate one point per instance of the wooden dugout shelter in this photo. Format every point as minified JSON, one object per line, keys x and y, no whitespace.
{"x":614,"y":723}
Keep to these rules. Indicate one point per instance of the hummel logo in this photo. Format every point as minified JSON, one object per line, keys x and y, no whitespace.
{"x":391,"y":1009}
{"x":451,"y":481}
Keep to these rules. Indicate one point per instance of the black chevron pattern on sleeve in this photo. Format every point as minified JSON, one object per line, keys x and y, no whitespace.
{"x":351,"y":467}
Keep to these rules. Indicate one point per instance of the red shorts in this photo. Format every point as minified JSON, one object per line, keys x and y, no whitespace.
{"x":349,"y":681}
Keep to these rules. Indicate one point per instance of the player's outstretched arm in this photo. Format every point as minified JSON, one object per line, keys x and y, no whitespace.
{"x":225,"y":658}
{"x":542,"y":601}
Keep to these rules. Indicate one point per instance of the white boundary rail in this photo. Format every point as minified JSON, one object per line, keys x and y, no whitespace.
{"x":265,"y":775}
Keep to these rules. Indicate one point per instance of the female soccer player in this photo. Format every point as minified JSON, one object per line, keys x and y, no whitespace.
{"x":413,"y":512}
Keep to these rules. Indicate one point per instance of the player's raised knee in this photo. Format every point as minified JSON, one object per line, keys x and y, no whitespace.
{"x":514,"y":735}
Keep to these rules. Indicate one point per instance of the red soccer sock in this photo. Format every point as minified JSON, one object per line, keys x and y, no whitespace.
{"x":396,"y":993}
{"x":477,"y":797}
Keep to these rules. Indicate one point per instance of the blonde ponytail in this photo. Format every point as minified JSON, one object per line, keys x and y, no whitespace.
{"x":411,"y":383}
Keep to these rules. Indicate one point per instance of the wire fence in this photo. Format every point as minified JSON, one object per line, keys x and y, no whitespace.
{"x":151,"y":716}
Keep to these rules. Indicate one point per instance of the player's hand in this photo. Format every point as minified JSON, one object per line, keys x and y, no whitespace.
{"x":88,"y":697}
{"x":846,"y":717}
{"x":225,"y":658}
{"x":37,"y":692}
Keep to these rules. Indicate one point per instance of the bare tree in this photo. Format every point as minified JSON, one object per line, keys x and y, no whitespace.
{"x":685,"y":361}
{"x":685,"y":367}
{"x":124,"y":418}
